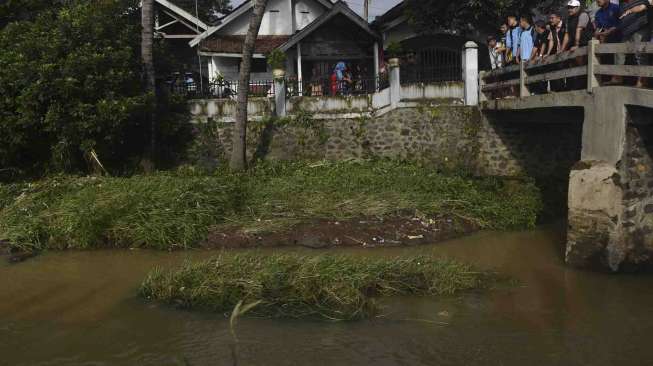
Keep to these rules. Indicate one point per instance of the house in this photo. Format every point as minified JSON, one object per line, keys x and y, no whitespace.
{"x":433,"y":56}
{"x":314,"y":34}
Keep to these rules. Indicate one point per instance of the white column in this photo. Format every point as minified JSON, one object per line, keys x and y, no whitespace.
{"x":210,"y":67}
{"x":395,"y":86}
{"x":299,"y":68}
{"x":376,"y":65}
{"x":280,"y":97}
{"x":470,"y":70}
{"x":214,"y":63}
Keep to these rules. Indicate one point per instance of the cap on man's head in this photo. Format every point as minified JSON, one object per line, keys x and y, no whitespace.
{"x":573,"y":3}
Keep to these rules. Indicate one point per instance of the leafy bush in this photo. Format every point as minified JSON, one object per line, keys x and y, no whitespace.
{"x":70,"y":82}
{"x":277,"y":59}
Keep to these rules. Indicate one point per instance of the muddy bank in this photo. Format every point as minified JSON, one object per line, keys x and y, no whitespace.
{"x":368,"y":232}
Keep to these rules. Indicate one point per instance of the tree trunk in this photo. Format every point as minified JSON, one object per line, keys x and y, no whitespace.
{"x":238,"y":154}
{"x":147,"y":40}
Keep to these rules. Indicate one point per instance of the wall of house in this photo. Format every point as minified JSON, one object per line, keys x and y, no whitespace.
{"x":228,"y":67}
{"x":306,"y":11}
{"x":399,"y":33}
{"x":278,"y":20}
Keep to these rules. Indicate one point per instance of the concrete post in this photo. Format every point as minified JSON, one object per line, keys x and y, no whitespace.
{"x":395,"y":86}
{"x":300,"y":85}
{"x":470,"y":73}
{"x":523,"y":89}
{"x":376,"y":66}
{"x":280,"y":97}
{"x":592,"y":62}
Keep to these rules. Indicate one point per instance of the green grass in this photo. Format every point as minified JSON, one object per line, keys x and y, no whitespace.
{"x":296,"y":286}
{"x":175,"y":210}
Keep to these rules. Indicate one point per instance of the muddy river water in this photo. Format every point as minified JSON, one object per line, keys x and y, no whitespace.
{"x":81,"y":308}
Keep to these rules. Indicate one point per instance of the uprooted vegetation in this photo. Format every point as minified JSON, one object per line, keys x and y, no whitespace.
{"x":296,"y":286}
{"x":178,"y":210}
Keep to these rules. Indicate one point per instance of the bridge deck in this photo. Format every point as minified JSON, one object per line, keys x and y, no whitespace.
{"x":614,"y":95}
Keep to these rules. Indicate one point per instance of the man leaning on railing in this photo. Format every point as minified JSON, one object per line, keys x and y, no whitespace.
{"x":635,"y":28}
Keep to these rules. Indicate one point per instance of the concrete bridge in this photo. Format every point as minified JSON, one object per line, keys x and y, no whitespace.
{"x":607,"y":130}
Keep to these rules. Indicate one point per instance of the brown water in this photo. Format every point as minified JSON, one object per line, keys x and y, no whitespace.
{"x":82,"y":309}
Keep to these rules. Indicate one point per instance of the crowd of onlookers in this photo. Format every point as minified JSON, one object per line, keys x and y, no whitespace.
{"x":609,"y":21}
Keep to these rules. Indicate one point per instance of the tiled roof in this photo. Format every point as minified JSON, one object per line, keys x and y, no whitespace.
{"x":234,"y":44}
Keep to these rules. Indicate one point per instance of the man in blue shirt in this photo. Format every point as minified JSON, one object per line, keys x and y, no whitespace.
{"x":512,"y":40}
{"x":607,"y":22}
{"x":525,"y":39}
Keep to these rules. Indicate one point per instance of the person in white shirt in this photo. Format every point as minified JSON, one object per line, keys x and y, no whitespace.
{"x":496,"y":58}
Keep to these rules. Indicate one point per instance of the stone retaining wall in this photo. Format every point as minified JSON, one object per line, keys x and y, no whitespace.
{"x":529,"y":147}
{"x":637,"y":182}
{"x":443,"y":135}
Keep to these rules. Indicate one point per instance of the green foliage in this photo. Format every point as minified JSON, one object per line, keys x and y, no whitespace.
{"x":70,"y":83}
{"x":18,"y":10}
{"x":277,"y":59}
{"x":168,"y":211}
{"x":469,"y":16}
{"x":395,"y":50}
{"x":294,"y":286}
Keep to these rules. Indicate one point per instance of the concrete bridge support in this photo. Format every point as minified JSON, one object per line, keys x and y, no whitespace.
{"x":611,"y":189}
{"x":610,"y":199}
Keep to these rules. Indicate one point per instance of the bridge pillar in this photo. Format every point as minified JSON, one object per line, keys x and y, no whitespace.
{"x":611,"y":189}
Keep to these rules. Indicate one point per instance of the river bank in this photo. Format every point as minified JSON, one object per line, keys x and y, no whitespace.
{"x":356,"y":203}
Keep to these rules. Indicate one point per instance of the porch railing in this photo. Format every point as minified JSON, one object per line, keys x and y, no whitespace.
{"x":582,"y":69}
{"x":222,"y":89}
{"x":325,"y":87}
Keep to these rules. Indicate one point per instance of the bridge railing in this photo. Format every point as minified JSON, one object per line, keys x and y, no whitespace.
{"x":573,"y":70}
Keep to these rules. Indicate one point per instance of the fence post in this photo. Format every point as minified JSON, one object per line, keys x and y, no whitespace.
{"x":470,"y":70}
{"x":280,"y":96}
{"x":481,"y":84}
{"x":523,"y":90}
{"x":592,"y":61}
{"x":395,"y":85}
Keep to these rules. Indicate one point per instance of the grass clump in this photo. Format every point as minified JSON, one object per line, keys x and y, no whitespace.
{"x":173,"y":210}
{"x":296,"y":286}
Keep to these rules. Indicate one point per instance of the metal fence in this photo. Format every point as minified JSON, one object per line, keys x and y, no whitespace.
{"x":222,"y":89}
{"x":436,"y":64}
{"x":321,"y":87}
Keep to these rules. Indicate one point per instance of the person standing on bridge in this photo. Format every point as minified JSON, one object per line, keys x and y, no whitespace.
{"x":512,"y":40}
{"x":635,"y":29}
{"x":607,"y":31}
{"x":526,"y":37}
{"x":580,"y":31}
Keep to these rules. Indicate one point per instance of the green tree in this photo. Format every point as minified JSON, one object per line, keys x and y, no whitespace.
{"x":71,"y":82}
{"x":430,"y":16}
{"x":17,"y":10}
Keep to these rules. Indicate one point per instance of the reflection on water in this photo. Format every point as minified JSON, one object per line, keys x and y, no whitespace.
{"x":82,"y":309}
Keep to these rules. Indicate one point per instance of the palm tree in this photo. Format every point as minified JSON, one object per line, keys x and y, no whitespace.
{"x":147,"y":40}
{"x":238,"y":154}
